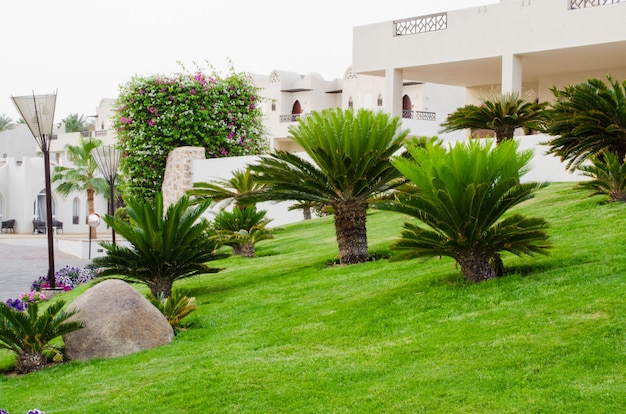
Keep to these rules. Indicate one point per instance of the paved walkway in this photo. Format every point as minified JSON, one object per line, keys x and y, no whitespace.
{"x":23,"y":258}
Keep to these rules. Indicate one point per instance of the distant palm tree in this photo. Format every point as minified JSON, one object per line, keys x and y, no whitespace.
{"x":75,"y":123}
{"x":6,"y":123}
{"x":240,"y":185}
{"x":351,"y":153}
{"x":587,"y":120}
{"x":502,"y":113}
{"x":81,"y":177}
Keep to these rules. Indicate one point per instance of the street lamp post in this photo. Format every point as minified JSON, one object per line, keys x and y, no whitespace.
{"x":38,"y":113}
{"x":108,"y":160}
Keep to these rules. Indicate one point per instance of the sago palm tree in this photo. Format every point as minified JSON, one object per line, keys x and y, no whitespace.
{"x":241,"y":184}
{"x":608,"y":177}
{"x":165,"y":245}
{"x":28,"y":333}
{"x":502,"y":113}
{"x":242,"y":229}
{"x":350,"y":153}
{"x":588,"y":119}
{"x":461,"y":196}
{"x":82,"y":176}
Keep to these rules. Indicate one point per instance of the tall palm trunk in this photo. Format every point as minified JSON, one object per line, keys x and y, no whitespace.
{"x":91,"y":208}
{"x":351,"y":232}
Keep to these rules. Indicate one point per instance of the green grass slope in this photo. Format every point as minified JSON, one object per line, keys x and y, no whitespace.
{"x":286,"y":333}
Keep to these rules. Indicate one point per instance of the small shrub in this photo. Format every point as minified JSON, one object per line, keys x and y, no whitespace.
{"x":28,"y":333}
{"x":175,"y":308}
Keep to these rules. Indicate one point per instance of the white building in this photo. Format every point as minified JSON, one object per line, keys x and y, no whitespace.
{"x":419,"y":68}
{"x":513,"y":45}
{"x":289,"y":96}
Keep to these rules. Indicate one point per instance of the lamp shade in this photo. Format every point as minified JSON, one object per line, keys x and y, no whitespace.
{"x":37,"y":111}
{"x":108,"y":160}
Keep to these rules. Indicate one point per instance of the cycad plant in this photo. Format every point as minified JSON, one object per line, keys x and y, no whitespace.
{"x":588,"y":119}
{"x":165,"y":245}
{"x":502,"y":113}
{"x":232,"y":190}
{"x":242,"y":229}
{"x":350,"y":154}
{"x":608,"y":177}
{"x":29,"y":333}
{"x":175,"y":308}
{"x":462,"y":197}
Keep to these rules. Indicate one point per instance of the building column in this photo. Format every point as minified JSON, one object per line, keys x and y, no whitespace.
{"x":511,"y":73}
{"x":392,"y":101}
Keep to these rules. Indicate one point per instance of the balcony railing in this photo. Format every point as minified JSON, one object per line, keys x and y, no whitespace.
{"x":421,"y":24}
{"x":581,"y":4}
{"x":419,"y":115}
{"x":291,"y":117}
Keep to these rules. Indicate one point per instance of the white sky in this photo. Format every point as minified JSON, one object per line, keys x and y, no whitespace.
{"x":86,"y":49}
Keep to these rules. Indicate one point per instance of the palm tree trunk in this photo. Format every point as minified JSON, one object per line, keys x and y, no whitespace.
{"x":306,"y":212}
{"x":29,"y":362}
{"x":160,"y":286}
{"x":475,"y":267}
{"x":247,"y":250}
{"x":350,"y":217}
{"x":91,"y":209}
{"x":503,"y":133}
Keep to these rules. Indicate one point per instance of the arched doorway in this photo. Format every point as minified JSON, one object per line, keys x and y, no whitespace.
{"x":296,"y":110}
{"x":39,"y":208}
{"x":407,"y":107}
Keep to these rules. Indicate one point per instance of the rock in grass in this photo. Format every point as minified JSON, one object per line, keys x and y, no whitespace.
{"x":118,"y":321}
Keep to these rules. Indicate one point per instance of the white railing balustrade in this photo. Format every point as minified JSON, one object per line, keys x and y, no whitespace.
{"x":581,"y":4}
{"x":420,"y":24}
{"x":419,"y":115}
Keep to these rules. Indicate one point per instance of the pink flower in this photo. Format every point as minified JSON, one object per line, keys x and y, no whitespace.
{"x":152,"y":122}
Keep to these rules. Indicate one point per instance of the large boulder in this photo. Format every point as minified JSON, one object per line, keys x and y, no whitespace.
{"x":118,"y":321}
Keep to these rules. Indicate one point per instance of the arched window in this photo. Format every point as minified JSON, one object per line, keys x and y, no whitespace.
{"x":39,"y":207}
{"x":273,"y":105}
{"x":379,"y":101}
{"x":75,"y":210}
{"x":407,"y":107}
{"x":296,"y":109}
{"x":350,"y":103}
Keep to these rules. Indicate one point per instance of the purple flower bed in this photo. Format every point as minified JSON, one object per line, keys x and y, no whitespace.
{"x":67,"y":278}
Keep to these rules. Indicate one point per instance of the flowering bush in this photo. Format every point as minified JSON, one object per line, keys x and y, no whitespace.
{"x":67,"y":278}
{"x":159,"y":113}
{"x":34,"y":296}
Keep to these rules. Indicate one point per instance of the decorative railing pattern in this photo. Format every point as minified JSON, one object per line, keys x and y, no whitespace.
{"x":581,"y":4}
{"x":291,"y":117}
{"x":419,"y":115}
{"x":421,"y":24}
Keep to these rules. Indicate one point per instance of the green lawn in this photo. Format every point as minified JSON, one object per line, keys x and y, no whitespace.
{"x":286,"y":333}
